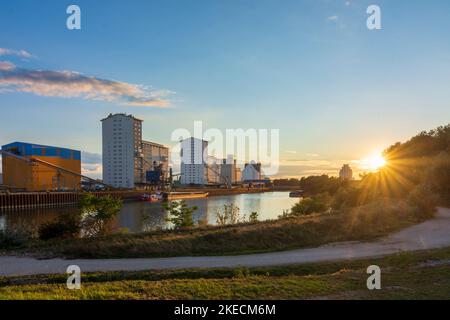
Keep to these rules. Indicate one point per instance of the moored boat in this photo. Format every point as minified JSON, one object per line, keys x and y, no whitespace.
{"x":185,"y":195}
{"x":296,"y":194}
{"x":151,"y":197}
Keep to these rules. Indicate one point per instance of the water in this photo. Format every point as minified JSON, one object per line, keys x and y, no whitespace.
{"x":144,"y":216}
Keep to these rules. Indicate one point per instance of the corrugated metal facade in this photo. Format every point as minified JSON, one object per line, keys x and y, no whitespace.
{"x":38,"y":177}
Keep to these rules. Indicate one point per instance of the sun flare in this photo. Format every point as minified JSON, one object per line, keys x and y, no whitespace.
{"x":374,"y":162}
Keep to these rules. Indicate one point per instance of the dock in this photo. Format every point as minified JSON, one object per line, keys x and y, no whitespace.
{"x":31,"y":200}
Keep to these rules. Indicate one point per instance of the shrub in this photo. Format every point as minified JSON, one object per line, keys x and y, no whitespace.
{"x":423,"y":200}
{"x":65,"y":226}
{"x":97,"y":213}
{"x":438,"y":177}
{"x":180,"y":214}
{"x":14,"y":237}
{"x":316,"y":204}
{"x":229,"y":215}
{"x":253,"y":217}
{"x":345,"y":197}
{"x":378,"y":217}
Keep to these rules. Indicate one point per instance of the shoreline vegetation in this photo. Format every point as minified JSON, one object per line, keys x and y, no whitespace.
{"x":291,"y":232}
{"x":418,"y":275}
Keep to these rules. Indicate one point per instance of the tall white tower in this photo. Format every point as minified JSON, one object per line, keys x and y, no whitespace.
{"x":122,"y":149}
{"x":193,"y":162}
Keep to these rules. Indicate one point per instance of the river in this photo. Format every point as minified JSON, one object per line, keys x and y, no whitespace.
{"x":143,"y":216}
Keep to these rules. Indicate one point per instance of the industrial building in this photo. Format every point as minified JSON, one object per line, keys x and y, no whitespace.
{"x":229,"y":170}
{"x":194,"y":169}
{"x":154,"y":162}
{"x":36,"y":167}
{"x":346,"y":173}
{"x":252,"y":172}
{"x":129,"y":161}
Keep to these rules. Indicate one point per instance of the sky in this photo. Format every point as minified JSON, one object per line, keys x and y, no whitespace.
{"x":336,"y":90}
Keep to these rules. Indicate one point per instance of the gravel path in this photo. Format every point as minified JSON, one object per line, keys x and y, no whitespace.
{"x":434,"y":233}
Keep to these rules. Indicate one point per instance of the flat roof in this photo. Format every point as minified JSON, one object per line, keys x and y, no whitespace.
{"x":121,"y":114}
{"x":154,"y":144}
{"x":33,"y":149}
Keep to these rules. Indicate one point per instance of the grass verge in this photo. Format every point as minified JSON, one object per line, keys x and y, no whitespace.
{"x":418,"y":275}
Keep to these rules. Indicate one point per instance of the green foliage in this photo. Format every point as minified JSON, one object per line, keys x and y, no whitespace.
{"x":437,"y":176}
{"x":291,"y":182}
{"x":424,"y":159}
{"x":97,"y":213}
{"x":253,"y":217}
{"x":345,"y":197}
{"x":180,"y":215}
{"x":229,"y":215}
{"x":314,"y":185}
{"x":423,"y":201}
{"x":315,"y":204}
{"x":65,"y":226}
{"x":14,"y":237}
{"x":417,"y":170}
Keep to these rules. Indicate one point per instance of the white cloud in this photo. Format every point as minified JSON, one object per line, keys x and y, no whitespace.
{"x":17,"y":53}
{"x":70,"y":84}
{"x":333,"y":18}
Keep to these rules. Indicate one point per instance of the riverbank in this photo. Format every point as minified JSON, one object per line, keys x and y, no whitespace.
{"x":417,"y":275}
{"x":362,"y":223}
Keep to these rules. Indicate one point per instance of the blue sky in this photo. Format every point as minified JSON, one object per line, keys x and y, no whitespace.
{"x":336,"y":90}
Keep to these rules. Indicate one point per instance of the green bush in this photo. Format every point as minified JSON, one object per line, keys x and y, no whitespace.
{"x":423,"y":200}
{"x":345,"y":197}
{"x":378,"y":216}
{"x":97,"y":213}
{"x":437,"y":176}
{"x":315,"y":204}
{"x":229,"y":215}
{"x":65,"y":226}
{"x":14,"y":237}
{"x":180,"y":214}
{"x":253,"y":217}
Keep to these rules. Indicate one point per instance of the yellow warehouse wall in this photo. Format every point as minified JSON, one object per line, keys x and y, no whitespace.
{"x":37,"y":177}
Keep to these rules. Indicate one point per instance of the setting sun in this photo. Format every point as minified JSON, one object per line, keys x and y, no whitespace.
{"x":374,"y":162}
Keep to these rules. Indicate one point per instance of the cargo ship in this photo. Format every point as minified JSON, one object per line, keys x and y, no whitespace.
{"x":184,"y":195}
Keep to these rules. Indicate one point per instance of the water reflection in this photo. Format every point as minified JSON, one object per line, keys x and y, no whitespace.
{"x":143,"y":216}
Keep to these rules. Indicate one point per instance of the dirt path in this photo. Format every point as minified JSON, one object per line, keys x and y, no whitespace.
{"x":434,"y":233}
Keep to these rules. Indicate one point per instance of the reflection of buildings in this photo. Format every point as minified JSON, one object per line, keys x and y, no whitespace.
{"x":193,"y":165}
{"x":346,"y":172}
{"x":38,"y":176}
{"x":126,"y":157}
